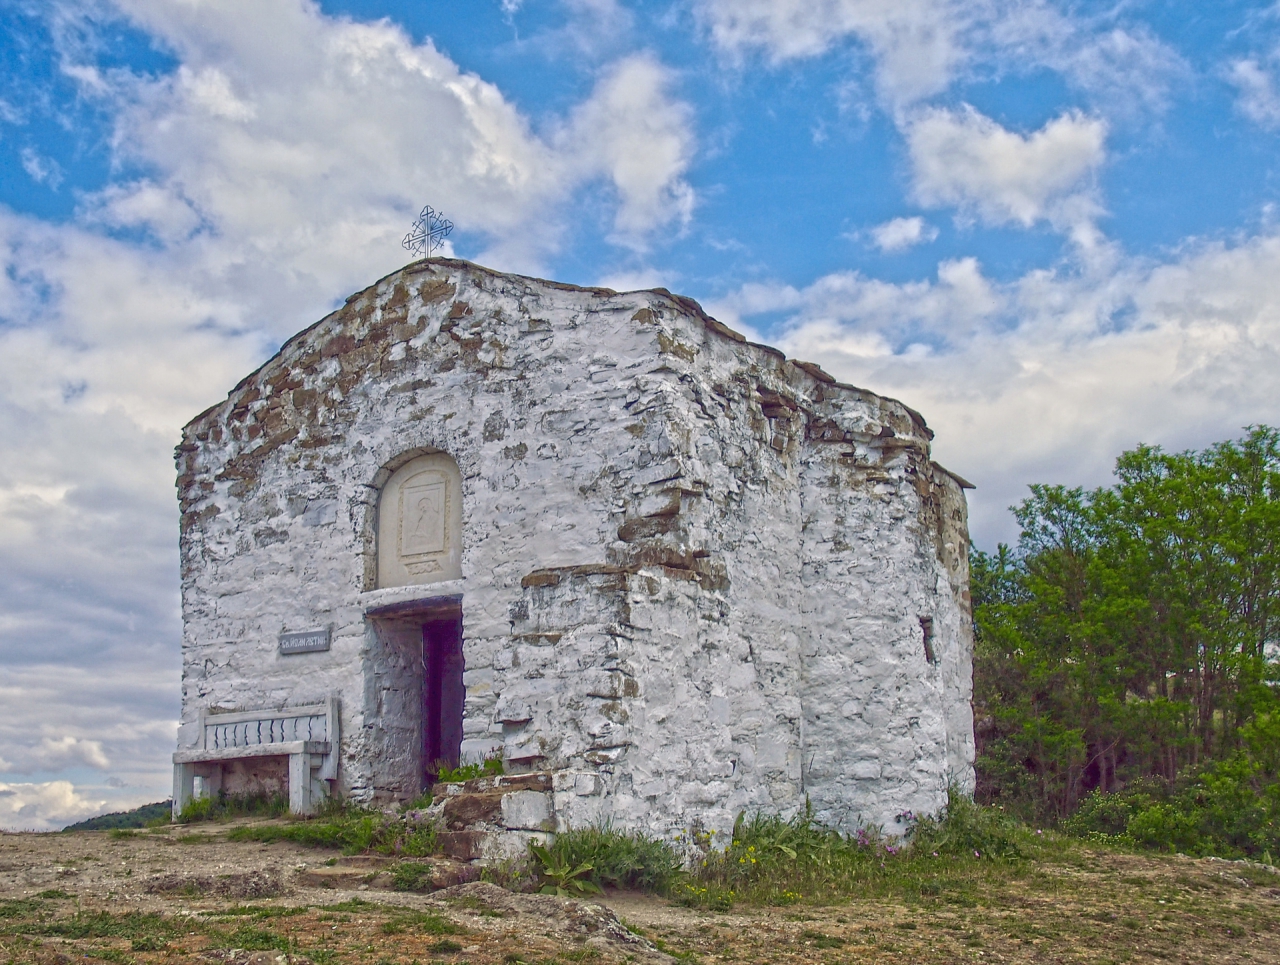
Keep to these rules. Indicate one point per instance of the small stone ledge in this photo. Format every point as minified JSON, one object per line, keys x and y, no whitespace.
{"x":379,"y":602}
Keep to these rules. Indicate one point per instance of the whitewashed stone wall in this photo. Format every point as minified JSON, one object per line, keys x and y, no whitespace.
{"x":694,"y":573}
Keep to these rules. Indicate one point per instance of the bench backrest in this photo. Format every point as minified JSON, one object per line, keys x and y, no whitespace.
{"x":250,"y":728}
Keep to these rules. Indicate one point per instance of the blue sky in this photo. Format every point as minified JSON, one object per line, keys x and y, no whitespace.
{"x":1051,"y":227}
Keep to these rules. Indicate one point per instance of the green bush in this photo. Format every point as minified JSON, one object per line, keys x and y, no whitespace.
{"x":1228,"y":808}
{"x":1110,"y":814}
{"x":1165,"y":827}
{"x":618,"y":859}
{"x":560,"y":878}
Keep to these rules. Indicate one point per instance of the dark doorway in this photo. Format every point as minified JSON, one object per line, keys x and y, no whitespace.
{"x":435,"y":624}
{"x":442,"y":693}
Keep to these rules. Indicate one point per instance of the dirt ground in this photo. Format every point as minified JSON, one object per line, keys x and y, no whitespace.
{"x":189,"y":895}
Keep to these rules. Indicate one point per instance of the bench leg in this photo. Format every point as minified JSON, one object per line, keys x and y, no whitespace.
{"x":300,"y":783}
{"x":184,"y":781}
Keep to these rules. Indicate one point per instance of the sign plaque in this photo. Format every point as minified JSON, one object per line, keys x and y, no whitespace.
{"x":307,"y":641}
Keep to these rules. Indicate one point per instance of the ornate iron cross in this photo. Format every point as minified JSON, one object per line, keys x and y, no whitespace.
{"x":428,"y":233}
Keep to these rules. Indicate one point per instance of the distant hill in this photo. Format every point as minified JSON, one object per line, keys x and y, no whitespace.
{"x":137,"y":818}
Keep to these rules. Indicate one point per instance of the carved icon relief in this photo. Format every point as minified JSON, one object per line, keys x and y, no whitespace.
{"x":422,"y":509}
{"x":419,"y":523}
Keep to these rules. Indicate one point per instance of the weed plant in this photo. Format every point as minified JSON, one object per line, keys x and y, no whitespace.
{"x":412,"y":876}
{"x":489,"y":767}
{"x":964,"y":827}
{"x":617,"y":859}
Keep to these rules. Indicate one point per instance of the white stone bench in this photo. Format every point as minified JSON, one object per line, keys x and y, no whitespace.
{"x":307,"y":735}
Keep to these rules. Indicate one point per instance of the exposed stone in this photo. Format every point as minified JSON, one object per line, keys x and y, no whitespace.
{"x":255,"y":884}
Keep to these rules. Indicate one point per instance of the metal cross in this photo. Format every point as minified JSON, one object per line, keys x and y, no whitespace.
{"x":428,"y":233}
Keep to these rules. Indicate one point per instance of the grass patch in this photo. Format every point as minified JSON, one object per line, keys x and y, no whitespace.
{"x":254,"y":939}
{"x":102,"y":924}
{"x":821,"y":940}
{"x":20,"y":908}
{"x":227,"y":806}
{"x":773,"y":861}
{"x":351,"y":830}
{"x":425,"y":921}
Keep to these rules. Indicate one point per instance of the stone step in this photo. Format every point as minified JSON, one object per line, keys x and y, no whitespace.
{"x":504,"y":807}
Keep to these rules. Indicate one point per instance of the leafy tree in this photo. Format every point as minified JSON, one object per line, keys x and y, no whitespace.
{"x":1131,"y":634}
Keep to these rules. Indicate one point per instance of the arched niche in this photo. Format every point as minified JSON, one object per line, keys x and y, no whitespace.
{"x":419,"y":535}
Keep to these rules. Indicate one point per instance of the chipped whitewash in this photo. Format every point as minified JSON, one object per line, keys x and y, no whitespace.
{"x":696,"y":576}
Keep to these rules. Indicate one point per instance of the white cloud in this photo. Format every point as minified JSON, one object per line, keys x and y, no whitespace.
{"x":40,"y":169}
{"x":10,"y":114}
{"x":1123,"y":71}
{"x":962,"y":158}
{"x":902,"y":233}
{"x":890,"y":317}
{"x":632,"y":130}
{"x":917,"y":44}
{"x":44,"y":807}
{"x":61,"y":751}
{"x":920,"y":47}
{"x":1049,"y":377}
{"x":596,"y":25}
{"x":1258,"y":99}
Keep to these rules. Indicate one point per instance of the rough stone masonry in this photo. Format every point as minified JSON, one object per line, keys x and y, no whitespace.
{"x":598,"y":534}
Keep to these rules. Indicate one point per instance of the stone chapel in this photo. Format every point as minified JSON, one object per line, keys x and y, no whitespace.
{"x":596,"y":534}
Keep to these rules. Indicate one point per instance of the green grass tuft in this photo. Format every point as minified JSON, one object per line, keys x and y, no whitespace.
{"x":227,"y":806}
{"x":352,"y":830}
{"x":618,"y":859}
{"x":489,"y":767}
